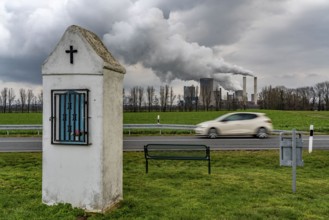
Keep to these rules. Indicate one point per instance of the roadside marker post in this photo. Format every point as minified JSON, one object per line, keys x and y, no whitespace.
{"x":310,"y":143}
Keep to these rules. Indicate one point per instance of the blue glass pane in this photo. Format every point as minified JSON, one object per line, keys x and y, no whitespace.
{"x":70,"y":111}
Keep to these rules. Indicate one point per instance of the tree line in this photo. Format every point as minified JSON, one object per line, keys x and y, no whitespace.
{"x":135,"y":100}
{"x":25,"y":101}
{"x":140,"y":99}
{"x":304,"y":98}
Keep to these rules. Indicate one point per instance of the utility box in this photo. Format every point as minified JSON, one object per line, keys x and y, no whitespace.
{"x":286,"y":149}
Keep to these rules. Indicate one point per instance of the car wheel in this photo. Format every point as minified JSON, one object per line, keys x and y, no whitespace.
{"x":262,"y":133}
{"x":212,"y":133}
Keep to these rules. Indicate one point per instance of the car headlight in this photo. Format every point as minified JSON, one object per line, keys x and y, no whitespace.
{"x":202,"y":125}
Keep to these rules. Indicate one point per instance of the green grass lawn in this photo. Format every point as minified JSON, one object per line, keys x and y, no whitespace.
{"x":243,"y":185}
{"x":20,"y":118}
{"x":282,"y":120}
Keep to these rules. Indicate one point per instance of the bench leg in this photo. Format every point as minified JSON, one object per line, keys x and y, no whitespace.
{"x":209,"y":167}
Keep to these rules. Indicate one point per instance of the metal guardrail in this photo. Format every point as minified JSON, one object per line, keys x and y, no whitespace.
{"x":20,"y":127}
{"x":159,"y":126}
{"x":125,"y":126}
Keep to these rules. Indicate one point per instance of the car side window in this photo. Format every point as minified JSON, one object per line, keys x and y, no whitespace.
{"x":248,"y":116}
{"x":235,"y":117}
{"x":240,"y":117}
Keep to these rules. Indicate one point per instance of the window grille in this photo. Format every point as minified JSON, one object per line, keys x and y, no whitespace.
{"x":69,"y":117}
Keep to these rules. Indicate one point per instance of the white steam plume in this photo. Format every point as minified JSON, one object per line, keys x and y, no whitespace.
{"x":147,"y":37}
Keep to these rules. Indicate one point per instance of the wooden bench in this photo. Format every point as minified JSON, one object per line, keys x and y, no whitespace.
{"x":176,"y":152}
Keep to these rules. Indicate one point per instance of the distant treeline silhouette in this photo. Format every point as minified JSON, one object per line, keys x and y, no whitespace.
{"x":303,"y":98}
{"x":140,"y":100}
{"x":24,"y":101}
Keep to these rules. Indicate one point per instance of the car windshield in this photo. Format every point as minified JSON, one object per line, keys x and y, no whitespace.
{"x":235,"y":117}
{"x":220,"y":118}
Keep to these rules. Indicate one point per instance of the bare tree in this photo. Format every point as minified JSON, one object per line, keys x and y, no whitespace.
{"x":179,"y":102}
{"x":17,"y":104}
{"x":30,"y":97}
{"x":40,"y":99}
{"x":161,"y":94}
{"x":164,"y":93}
{"x":305,"y":97}
{"x":156,"y":102}
{"x":319,"y":90}
{"x":140,"y":97}
{"x":4,"y":95}
{"x":123,"y":97}
{"x":166,"y":97}
{"x":282,"y":98}
{"x":133,"y":98}
{"x":313,"y":99}
{"x":22,"y":94}
{"x":273,"y":98}
{"x":172,"y":98}
{"x":326,"y":95}
{"x":218,"y":98}
{"x":150,"y":96}
{"x":11,"y":98}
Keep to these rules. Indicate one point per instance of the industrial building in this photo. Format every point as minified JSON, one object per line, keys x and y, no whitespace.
{"x":190,"y":98}
{"x":210,"y":95}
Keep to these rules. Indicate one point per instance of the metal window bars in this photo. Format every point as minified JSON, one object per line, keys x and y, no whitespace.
{"x":69,"y":117}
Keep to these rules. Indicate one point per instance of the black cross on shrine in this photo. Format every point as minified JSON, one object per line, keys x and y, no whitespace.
{"x":71,"y":52}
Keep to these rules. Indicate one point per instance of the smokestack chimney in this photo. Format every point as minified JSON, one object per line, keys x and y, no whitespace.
{"x":255,"y":90}
{"x":244,"y":93}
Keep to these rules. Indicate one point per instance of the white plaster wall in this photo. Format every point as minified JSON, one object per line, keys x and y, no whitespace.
{"x":88,"y":177}
{"x":113,"y":135}
{"x":86,"y":61}
{"x":73,"y":174}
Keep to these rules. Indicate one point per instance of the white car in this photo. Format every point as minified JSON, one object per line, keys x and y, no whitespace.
{"x":237,"y":124}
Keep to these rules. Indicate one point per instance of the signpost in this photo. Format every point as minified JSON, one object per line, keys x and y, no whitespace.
{"x":291,"y":149}
{"x":294,"y":164}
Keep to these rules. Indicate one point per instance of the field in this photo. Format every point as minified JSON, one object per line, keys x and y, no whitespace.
{"x":243,"y":185}
{"x":282,"y":120}
{"x":21,"y":118}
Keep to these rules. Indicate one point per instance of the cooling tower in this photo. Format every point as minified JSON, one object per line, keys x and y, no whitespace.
{"x":206,"y":88}
{"x":244,"y":93}
{"x":206,"y":85}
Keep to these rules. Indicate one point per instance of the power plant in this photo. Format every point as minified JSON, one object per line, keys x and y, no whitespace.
{"x":210,"y":94}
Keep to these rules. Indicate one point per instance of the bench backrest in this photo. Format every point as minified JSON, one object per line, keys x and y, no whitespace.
{"x":177,"y":151}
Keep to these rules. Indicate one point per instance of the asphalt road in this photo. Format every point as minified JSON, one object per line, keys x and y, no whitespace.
{"x":136,"y":143}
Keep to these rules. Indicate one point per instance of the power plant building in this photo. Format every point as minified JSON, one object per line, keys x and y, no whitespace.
{"x":189,"y":92}
{"x":210,"y":95}
{"x":190,"y":97}
{"x":207,"y":87}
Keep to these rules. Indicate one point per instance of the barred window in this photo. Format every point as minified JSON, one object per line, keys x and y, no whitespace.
{"x":69,"y":117}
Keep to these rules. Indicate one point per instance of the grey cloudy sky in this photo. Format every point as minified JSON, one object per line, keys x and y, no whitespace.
{"x":282,"y":42}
